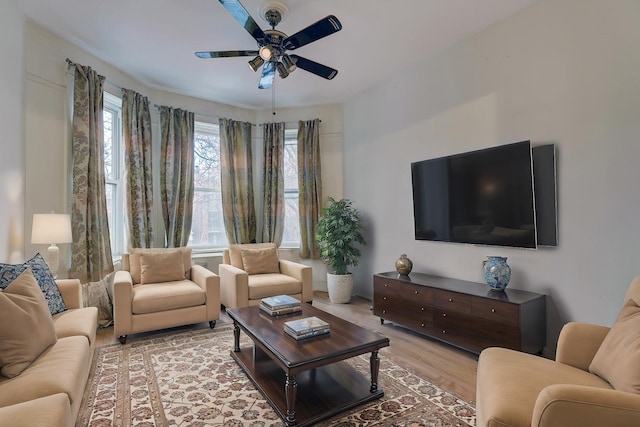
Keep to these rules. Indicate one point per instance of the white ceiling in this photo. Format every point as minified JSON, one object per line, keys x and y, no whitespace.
{"x":155,"y":40}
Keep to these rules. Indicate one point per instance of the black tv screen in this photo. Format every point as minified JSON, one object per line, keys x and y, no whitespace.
{"x":483,"y":197}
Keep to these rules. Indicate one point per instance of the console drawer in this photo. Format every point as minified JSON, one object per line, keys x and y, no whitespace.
{"x":473,"y":333}
{"x":452,"y":301}
{"x":411,"y":314}
{"x":496,"y":311}
{"x":398,"y":289}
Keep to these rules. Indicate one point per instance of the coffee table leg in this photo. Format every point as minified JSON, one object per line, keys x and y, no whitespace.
{"x":375,"y":367}
{"x":236,"y":337}
{"x":291,"y":390}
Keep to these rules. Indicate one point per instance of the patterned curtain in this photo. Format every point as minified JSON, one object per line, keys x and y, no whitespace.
{"x":309,"y":185}
{"x":237,"y":181}
{"x":91,"y":248}
{"x":273,"y":183}
{"x":137,"y":158}
{"x":176,"y":174}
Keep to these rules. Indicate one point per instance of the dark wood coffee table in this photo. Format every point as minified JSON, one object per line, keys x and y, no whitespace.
{"x":308,"y":380}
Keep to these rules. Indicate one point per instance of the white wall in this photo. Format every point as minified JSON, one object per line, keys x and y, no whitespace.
{"x":563,"y":72}
{"x":11,"y":122}
{"x":47,"y":134}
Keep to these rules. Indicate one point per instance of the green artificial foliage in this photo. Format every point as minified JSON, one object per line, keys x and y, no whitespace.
{"x":339,"y":231}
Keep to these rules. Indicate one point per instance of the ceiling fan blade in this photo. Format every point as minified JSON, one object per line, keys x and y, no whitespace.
{"x":323,"y":28}
{"x":315,"y":68}
{"x":268,"y":74}
{"x":235,"y":8}
{"x":226,"y":54}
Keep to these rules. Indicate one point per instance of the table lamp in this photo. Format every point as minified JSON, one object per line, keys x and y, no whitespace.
{"x":50,"y":229}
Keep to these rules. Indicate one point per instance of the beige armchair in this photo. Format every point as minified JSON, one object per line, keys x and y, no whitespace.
{"x":594,"y":381}
{"x":253,"y":271}
{"x":160,"y":288}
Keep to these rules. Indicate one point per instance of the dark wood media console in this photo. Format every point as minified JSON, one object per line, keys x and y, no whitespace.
{"x":465,"y":314}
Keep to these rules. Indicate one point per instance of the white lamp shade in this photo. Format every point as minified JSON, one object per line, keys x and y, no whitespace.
{"x":51,"y":228}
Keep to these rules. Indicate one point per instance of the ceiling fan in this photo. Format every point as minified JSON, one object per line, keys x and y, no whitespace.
{"x":273,"y":44}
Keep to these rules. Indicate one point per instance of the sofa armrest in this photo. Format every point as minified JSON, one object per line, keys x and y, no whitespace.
{"x":234,"y":286}
{"x":122,"y":295}
{"x":578,"y":343}
{"x":577,"y":405}
{"x":71,"y":291}
{"x":53,"y":410}
{"x":303,"y":273}
{"x":210,"y":283}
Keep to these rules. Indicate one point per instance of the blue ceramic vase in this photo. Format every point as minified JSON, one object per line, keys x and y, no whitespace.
{"x":497,"y":272}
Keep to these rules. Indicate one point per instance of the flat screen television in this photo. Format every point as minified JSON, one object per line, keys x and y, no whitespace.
{"x":483,"y":197}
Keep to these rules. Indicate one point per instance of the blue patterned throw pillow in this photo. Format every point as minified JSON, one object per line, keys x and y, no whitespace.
{"x":44,"y":277}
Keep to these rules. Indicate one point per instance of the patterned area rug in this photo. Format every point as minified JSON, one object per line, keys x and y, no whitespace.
{"x":188,"y":378}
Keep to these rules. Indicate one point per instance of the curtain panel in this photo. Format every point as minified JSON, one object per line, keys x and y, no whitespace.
{"x":91,"y":248}
{"x":237,"y":181}
{"x":136,"y":119}
{"x":176,"y":173}
{"x":309,"y":186}
{"x":273,"y":183}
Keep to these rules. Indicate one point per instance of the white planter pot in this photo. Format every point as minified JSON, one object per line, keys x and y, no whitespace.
{"x":340,"y":287}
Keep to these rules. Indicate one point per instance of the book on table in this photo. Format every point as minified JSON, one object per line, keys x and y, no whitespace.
{"x":307,"y":335}
{"x":309,"y":326}
{"x":279,"y":302}
{"x":280,"y":311}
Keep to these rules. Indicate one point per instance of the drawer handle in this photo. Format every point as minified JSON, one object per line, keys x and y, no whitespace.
{"x":421,"y":308}
{"x":385,"y":285}
{"x":450,"y":299}
{"x":493,"y":310}
{"x":416,"y":292}
{"x":422,"y":324}
{"x":384,"y":298}
{"x":444,"y":332}
{"x":444,"y":314}
{"x":384,"y":311}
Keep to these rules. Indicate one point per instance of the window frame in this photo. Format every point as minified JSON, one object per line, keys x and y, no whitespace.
{"x":117,"y":225}
{"x":291,"y":138}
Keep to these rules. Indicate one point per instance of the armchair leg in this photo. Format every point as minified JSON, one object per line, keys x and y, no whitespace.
{"x":122,"y":339}
{"x":212,"y":324}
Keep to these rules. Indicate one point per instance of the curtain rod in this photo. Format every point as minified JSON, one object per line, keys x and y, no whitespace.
{"x":70,"y":63}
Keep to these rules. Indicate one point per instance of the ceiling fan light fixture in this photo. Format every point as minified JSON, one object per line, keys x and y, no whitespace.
{"x":282,"y":70}
{"x":289,"y":63}
{"x":256,"y":63}
{"x":266,"y":52}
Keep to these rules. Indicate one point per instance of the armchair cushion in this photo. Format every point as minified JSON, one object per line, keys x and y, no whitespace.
{"x":158,"y":267}
{"x":260,"y":261}
{"x":152,"y":298}
{"x":618,"y":358}
{"x":268,"y":285}
{"x":26,"y":326}
{"x":131,"y":261}
{"x":235,"y":252}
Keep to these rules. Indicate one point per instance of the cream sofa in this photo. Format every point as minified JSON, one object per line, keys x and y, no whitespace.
{"x":252,"y":271}
{"x":49,"y":391}
{"x":594,"y":381}
{"x":161,"y":288}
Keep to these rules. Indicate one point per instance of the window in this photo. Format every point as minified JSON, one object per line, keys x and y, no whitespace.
{"x":291,"y":235}
{"x":207,"y":227}
{"x":113,"y":171}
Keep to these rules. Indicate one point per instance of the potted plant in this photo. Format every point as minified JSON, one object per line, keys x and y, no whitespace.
{"x":338,"y":236}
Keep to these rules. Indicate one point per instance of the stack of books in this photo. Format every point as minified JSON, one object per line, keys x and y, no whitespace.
{"x":307,"y":327}
{"x":281,"y":304}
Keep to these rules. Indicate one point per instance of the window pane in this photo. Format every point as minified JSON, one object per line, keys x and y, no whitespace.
{"x":291,"y":167}
{"x":107,"y":117}
{"x":110,"y":190}
{"x":291,"y":235}
{"x":207,"y":227}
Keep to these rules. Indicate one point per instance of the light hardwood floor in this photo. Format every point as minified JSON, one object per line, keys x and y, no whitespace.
{"x":450,"y":368}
